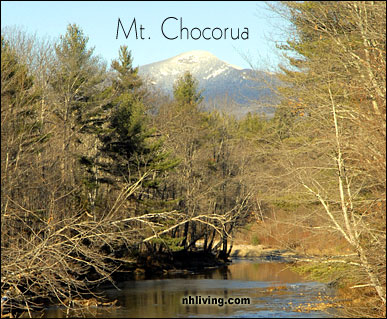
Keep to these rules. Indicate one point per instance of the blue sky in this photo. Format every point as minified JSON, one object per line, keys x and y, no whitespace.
{"x":99,"y":19}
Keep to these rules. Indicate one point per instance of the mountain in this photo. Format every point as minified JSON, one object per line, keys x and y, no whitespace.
{"x":219,"y":80}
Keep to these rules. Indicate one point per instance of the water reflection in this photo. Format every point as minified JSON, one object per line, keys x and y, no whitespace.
{"x":254,"y":271}
{"x":270,"y":287}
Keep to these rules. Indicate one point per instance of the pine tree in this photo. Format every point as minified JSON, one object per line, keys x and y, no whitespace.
{"x":78,"y":84}
{"x":186,"y":128}
{"x":185,"y":90}
{"x":22,"y":143}
{"x":20,"y":127}
{"x":129,"y":147}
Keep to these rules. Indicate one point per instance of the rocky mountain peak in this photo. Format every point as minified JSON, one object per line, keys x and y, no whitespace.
{"x":217,"y":78}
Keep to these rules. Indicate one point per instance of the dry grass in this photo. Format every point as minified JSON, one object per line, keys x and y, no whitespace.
{"x":285,"y":232}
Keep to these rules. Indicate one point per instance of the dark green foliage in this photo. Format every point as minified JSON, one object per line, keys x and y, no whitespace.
{"x":185,"y":90}
{"x":20,"y":127}
{"x":127,"y":77}
{"x":128,"y":142}
{"x":17,"y":91}
{"x":171,"y":244}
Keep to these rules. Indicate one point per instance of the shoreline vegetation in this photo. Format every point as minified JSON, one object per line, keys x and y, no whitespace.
{"x":100,"y":173}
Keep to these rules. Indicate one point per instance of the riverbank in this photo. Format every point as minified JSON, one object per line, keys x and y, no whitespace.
{"x":193,"y":261}
{"x":168,"y":263}
{"x":260,"y":251}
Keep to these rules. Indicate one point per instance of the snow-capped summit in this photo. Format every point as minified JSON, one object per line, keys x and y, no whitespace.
{"x":203,"y":65}
{"x":216,"y":78}
{"x":195,"y":57}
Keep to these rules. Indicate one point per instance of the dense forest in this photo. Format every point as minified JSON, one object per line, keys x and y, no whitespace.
{"x":97,"y":170}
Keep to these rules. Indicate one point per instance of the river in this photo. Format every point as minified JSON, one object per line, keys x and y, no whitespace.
{"x":262,"y":289}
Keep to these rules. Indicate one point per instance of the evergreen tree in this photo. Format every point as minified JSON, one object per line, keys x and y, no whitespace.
{"x":77,"y":81}
{"x":20,"y":127}
{"x":185,"y":90}
{"x":80,"y":98}
{"x":128,"y":144}
{"x":187,"y":129}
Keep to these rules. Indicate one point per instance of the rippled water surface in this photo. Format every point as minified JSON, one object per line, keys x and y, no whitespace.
{"x":272,"y":288}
